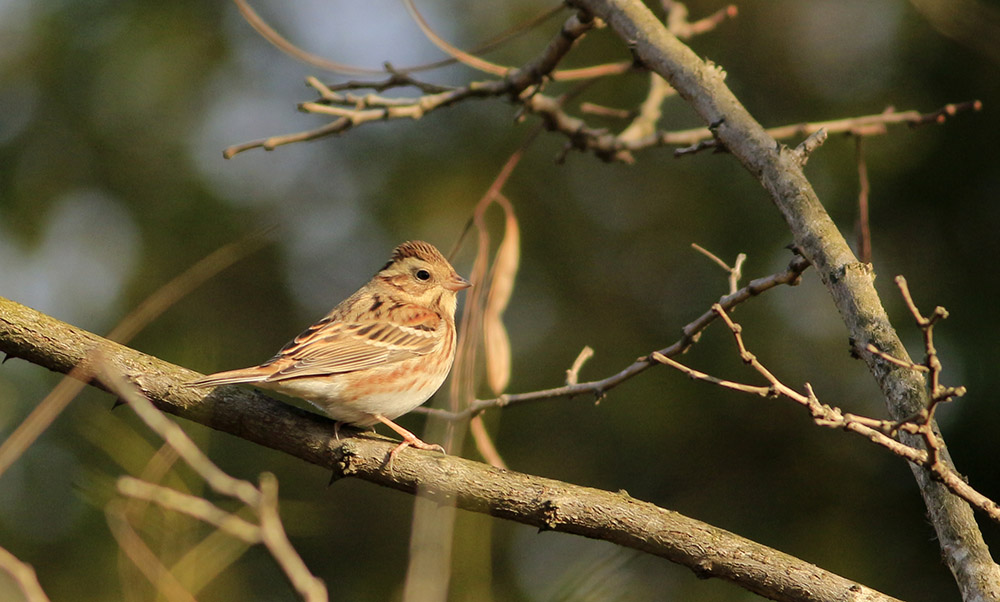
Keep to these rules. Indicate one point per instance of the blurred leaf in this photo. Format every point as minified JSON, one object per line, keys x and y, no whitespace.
{"x":505,"y":266}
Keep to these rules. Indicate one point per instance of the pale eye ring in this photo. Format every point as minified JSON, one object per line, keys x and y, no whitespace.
{"x":422,"y":275}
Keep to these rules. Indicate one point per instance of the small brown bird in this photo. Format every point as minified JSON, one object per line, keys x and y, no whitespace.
{"x":379,"y":354}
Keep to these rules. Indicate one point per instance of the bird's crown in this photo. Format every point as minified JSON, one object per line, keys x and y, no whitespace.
{"x":420,"y":250}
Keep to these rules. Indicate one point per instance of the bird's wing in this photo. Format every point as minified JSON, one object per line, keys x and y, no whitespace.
{"x":333,"y":346}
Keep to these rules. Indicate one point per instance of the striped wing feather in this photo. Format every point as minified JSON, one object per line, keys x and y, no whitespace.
{"x":336,"y":347}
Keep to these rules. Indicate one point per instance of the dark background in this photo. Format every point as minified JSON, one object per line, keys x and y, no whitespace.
{"x":112,"y":122}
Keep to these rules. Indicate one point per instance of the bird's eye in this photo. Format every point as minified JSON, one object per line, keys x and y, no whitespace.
{"x":422,"y":275}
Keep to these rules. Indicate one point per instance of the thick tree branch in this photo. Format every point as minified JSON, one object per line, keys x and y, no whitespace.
{"x":849,"y":282}
{"x":543,"y":503}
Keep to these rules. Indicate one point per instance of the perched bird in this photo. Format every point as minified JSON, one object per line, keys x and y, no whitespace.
{"x":379,"y":354}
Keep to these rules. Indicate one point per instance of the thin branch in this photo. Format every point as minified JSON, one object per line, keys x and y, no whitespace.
{"x":810,"y":144}
{"x":311,"y":588}
{"x":263,"y":501}
{"x":599,"y":388}
{"x":645,"y":122}
{"x":281,"y":43}
{"x":521,"y":86}
{"x":590,"y":108}
{"x":878,"y":431}
{"x":267,"y":32}
{"x":24,"y":576}
{"x":864,"y":228}
{"x":735,"y":271}
{"x":471,"y":60}
{"x":895,"y":360}
{"x":214,"y":476}
{"x":650,"y":111}
{"x":678,"y":24}
{"x":484,"y":443}
{"x":573,"y":374}
{"x":923,"y":420}
{"x":593,"y":71}
{"x":191,"y":505}
{"x":353,"y":110}
{"x":458,"y":54}
{"x":143,"y":558}
{"x":701,"y":139}
{"x":702,"y":376}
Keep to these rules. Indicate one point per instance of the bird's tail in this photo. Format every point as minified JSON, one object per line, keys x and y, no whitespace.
{"x":231,"y":377}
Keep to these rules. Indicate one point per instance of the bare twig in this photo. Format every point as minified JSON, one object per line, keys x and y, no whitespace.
{"x":864,"y":228}
{"x":880,"y":432}
{"x":458,"y":54}
{"x":650,"y":111}
{"x":922,"y":422}
{"x":262,"y":501}
{"x":520,"y":86}
{"x":142,"y":557}
{"x":351,"y":110}
{"x":268,"y":33}
{"x":867,"y":125}
{"x":311,"y":588}
{"x":484,"y":443}
{"x":566,"y":36}
{"x":599,"y":388}
{"x":573,"y":374}
{"x":24,"y":576}
{"x":191,"y":505}
{"x":735,"y":271}
{"x":810,"y":144}
{"x":678,"y":24}
{"x":931,"y":364}
{"x":644,"y":123}
{"x":590,"y":108}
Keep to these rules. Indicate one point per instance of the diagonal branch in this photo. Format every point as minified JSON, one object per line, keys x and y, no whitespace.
{"x":544,"y":503}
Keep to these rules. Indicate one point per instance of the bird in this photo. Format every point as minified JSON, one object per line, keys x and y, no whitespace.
{"x":377,"y":355}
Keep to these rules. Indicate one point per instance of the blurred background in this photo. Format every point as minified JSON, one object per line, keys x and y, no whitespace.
{"x":113,"y":118}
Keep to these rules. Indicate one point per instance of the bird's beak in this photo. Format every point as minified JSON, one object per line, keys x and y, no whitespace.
{"x":456,"y":283}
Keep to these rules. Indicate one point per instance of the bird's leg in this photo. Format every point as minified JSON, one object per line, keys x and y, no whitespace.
{"x":408,"y":439}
